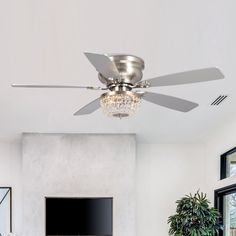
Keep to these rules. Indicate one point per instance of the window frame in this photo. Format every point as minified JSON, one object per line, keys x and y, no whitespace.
{"x":10,"y":194}
{"x":223,"y":162}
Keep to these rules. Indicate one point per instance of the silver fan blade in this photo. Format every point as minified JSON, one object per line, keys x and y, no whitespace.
{"x":186,"y":77}
{"x":169,"y":101}
{"x":89,"y":108}
{"x":103,"y":65}
{"x":55,"y":86}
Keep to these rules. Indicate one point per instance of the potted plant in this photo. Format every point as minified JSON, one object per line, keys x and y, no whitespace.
{"x":194,"y":217}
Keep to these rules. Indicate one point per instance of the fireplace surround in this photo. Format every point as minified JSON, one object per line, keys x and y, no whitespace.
{"x":78,"y":165}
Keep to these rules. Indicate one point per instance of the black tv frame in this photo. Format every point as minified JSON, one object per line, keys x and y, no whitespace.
{"x":64,"y":197}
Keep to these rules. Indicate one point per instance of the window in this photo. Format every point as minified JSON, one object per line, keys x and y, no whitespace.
{"x":228,"y":164}
{"x":225,"y":202}
{"x":5,"y":210}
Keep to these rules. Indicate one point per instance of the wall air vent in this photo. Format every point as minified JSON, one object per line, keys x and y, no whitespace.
{"x":219,"y":100}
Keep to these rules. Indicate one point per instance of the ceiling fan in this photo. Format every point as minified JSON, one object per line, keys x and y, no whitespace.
{"x":122,"y":77}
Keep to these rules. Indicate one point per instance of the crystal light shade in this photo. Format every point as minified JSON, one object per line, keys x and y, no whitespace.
{"x":120,"y":103}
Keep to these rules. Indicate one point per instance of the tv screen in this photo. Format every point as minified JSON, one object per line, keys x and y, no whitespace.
{"x":78,"y":216}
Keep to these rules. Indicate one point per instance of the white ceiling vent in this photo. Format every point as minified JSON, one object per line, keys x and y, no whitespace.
{"x":219,"y":100}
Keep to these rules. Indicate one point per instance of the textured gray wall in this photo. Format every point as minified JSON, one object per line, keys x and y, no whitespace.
{"x":78,"y":165}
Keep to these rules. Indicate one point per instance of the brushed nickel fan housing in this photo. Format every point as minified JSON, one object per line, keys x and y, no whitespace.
{"x":130,"y":71}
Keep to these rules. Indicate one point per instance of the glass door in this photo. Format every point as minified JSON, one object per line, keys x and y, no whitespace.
{"x":229,"y":214}
{"x":225,"y":202}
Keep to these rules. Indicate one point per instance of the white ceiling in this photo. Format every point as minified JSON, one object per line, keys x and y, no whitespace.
{"x":42,"y":42}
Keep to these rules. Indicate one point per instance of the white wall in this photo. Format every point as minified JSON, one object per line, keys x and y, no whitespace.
{"x":191,"y":167}
{"x":157,"y":188}
{"x":79,"y":165}
{"x":165,"y":173}
{"x":220,"y":141}
{"x":11,"y":175}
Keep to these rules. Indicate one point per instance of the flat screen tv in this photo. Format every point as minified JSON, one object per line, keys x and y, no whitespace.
{"x":79,"y":216}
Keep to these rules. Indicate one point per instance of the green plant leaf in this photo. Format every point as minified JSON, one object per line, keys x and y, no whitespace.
{"x":194,"y":217}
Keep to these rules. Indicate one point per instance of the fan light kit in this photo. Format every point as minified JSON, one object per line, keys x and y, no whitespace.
{"x":120,"y":103}
{"x":122,"y":77}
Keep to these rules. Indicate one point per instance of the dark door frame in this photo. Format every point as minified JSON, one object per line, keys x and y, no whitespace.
{"x":219,"y":200}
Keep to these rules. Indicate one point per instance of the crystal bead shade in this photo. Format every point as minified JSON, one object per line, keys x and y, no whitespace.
{"x":120,"y":104}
